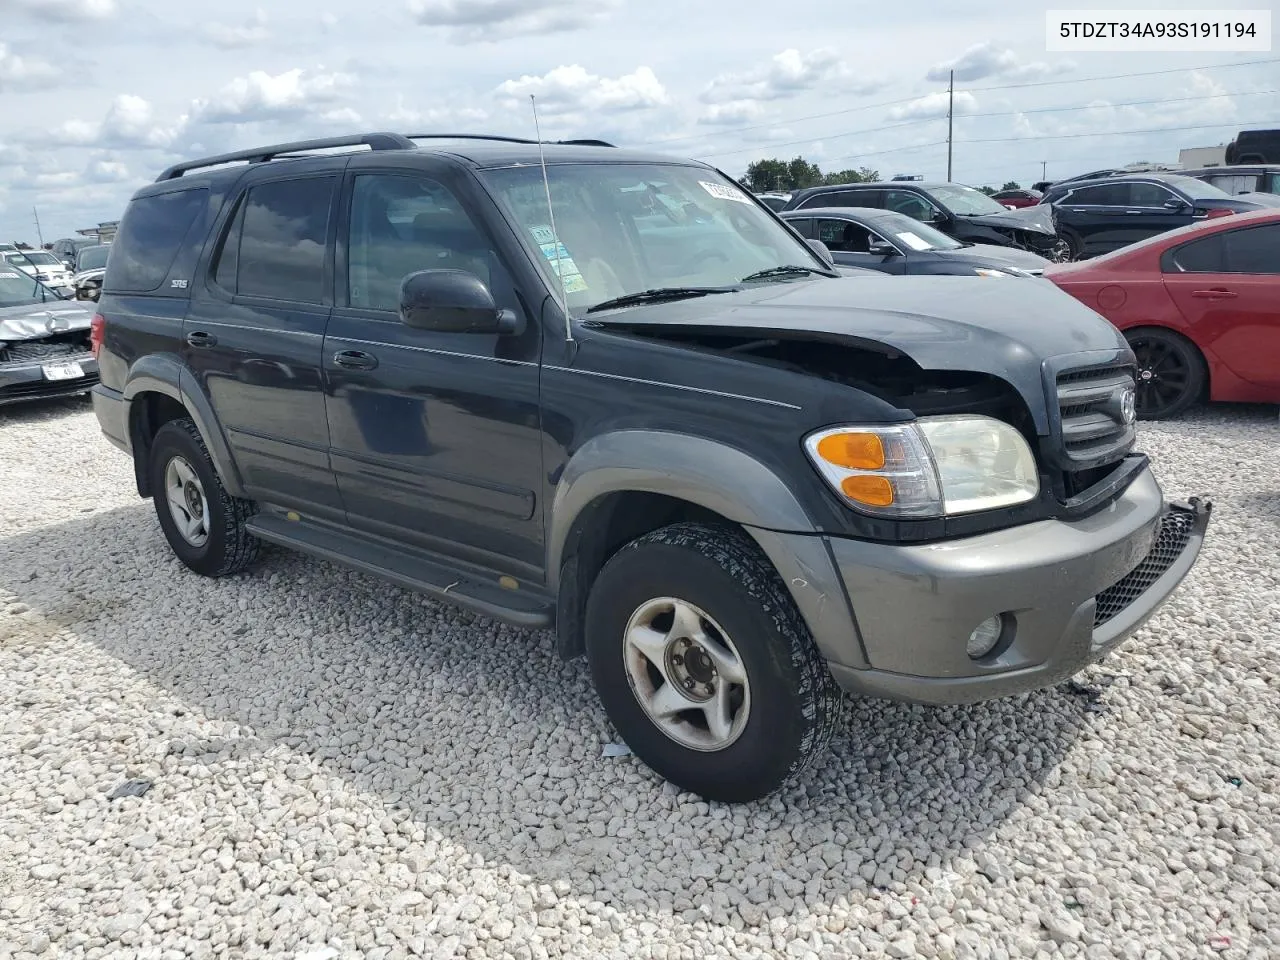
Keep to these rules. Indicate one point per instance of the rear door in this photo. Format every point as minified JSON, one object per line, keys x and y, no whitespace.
{"x":254,"y":332}
{"x":1227,"y":286}
{"x":1097,"y":215}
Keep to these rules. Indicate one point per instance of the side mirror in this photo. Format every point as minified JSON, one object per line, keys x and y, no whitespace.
{"x":1173,"y":203}
{"x":823,"y":251}
{"x":453,"y":301}
{"x":881,"y":248}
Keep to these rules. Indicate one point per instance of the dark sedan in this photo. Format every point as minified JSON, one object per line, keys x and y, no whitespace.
{"x":1098,"y":216}
{"x":44,"y":342}
{"x":893,"y":243}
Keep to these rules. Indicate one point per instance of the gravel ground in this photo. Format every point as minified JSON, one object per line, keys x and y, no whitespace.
{"x":342,"y":769}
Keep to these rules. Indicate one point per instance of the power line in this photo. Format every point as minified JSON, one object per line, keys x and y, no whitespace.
{"x":974,"y":116}
{"x":1010,"y":86}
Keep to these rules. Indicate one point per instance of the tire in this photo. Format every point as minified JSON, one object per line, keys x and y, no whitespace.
{"x":1075,"y":244}
{"x":222,"y":545}
{"x":1171,"y":372}
{"x":792,"y":704}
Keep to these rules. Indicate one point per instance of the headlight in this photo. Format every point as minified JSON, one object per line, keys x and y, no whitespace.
{"x":932,"y":467}
{"x":988,"y":272}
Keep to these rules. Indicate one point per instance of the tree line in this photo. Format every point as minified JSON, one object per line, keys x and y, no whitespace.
{"x":789,"y":175}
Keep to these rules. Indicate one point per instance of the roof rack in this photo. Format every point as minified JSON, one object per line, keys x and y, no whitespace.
{"x":374,"y":141}
{"x":502,"y":139}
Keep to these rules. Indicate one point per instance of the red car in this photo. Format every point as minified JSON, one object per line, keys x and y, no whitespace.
{"x":1199,"y":305}
{"x":1017,"y":198}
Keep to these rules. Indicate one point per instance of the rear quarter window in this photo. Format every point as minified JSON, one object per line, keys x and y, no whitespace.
{"x":150,"y":234}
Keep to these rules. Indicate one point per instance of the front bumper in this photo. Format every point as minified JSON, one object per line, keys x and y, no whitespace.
{"x":26,"y":380}
{"x":1070,"y":592}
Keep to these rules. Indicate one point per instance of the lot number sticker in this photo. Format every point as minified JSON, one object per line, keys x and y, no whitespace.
{"x":722,"y":191}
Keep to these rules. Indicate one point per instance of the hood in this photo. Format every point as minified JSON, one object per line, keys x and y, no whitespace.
{"x":1261,"y":199}
{"x":37,"y":320}
{"x":1005,"y":328}
{"x":1037,"y":219}
{"x":989,"y":255}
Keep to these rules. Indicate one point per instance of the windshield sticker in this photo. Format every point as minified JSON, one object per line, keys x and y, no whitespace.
{"x":10,"y":276}
{"x":542,"y":233}
{"x":722,"y":191}
{"x":558,"y":256}
{"x":912,"y":241}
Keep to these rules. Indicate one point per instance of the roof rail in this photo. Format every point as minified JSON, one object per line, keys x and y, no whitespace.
{"x":374,"y":141}
{"x":502,"y":139}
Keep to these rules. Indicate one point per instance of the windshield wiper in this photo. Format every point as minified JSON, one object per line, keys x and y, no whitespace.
{"x":657,"y":295}
{"x":788,"y":270}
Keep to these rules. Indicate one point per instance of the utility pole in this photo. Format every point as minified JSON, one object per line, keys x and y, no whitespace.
{"x":39,"y":235}
{"x":1044,"y":165}
{"x":951,"y":103}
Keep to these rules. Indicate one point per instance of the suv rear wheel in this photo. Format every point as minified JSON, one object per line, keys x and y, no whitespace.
{"x":202,"y":522}
{"x":705,"y":666}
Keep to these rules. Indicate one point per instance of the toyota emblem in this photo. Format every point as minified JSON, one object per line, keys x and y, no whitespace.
{"x":1128,"y":405}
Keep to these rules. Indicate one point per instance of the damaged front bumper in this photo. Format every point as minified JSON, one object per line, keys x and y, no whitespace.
{"x":47,"y":377}
{"x":1067,"y":593}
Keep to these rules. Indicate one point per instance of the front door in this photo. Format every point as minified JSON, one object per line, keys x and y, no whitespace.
{"x":253,"y":333}
{"x":1229,"y":291}
{"x":850,"y":245}
{"x":436,"y":438}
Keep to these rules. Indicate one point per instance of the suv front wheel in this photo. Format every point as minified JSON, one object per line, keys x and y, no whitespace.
{"x":705,"y":666}
{"x":202,"y":522}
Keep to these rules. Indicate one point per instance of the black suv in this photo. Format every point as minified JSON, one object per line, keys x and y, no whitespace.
{"x":961,"y":212}
{"x":617,"y":396}
{"x":1098,"y":216}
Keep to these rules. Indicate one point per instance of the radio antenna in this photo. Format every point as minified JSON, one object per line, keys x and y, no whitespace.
{"x":555,"y":235}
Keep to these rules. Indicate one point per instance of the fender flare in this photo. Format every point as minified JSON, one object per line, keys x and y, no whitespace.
{"x":166,"y":374}
{"x":731,"y":483}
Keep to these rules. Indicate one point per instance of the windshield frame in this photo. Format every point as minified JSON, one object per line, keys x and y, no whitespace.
{"x":1194,"y":187}
{"x":491,"y":182}
{"x":939,"y":195}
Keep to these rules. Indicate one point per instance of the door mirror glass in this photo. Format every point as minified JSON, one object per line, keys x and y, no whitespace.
{"x":881,"y":248}
{"x":823,"y":251}
{"x":453,"y":301}
{"x":1173,"y":203}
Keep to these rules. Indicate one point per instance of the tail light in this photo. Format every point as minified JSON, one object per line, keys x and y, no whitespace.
{"x":97,"y":333}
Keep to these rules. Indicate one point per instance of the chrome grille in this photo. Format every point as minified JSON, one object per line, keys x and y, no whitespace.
{"x":1092,"y":420}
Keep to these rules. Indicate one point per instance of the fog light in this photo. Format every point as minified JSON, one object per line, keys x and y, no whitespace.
{"x":985,"y":637}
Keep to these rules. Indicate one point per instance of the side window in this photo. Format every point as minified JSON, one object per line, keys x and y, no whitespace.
{"x":1149,"y":195}
{"x":1201,"y":256}
{"x":1103,"y":195}
{"x":1235,"y":183}
{"x":910,"y":204}
{"x":150,"y":233}
{"x":402,"y":224}
{"x":844,"y":236}
{"x":1252,"y":250}
{"x":802,"y":226}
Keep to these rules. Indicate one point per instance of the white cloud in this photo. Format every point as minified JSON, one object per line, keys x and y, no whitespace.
{"x":17,"y":72}
{"x":130,"y":122}
{"x":934,"y":105}
{"x":106,"y":171}
{"x":732,"y":112}
{"x":570,"y":89}
{"x":261,"y":96}
{"x":472,"y":21}
{"x":984,"y":60}
{"x":62,"y":10}
{"x":787,"y":74}
{"x":252,"y":31}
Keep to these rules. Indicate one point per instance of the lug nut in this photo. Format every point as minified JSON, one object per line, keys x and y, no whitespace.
{"x":677,"y":659}
{"x":689,"y":684}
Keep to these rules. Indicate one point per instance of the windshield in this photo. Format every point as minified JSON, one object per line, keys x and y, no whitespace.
{"x":18,"y":259}
{"x":966,"y":201}
{"x":92,"y":258}
{"x":628,"y":228}
{"x":19,"y":290}
{"x":1197,"y":189}
{"x":43,"y":259}
{"x":913,"y":234}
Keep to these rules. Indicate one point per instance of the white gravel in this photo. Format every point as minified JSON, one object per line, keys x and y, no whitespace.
{"x":342,"y":769}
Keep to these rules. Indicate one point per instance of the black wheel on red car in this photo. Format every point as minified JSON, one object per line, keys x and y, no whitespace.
{"x":1171,"y":372}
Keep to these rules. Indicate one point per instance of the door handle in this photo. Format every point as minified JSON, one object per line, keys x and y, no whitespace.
{"x":198,"y":338}
{"x":1216,"y":294}
{"x":355,"y":359}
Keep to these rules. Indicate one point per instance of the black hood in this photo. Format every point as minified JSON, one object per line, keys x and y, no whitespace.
{"x":1006,"y":328}
{"x":1037,"y":219}
{"x":997,"y":258}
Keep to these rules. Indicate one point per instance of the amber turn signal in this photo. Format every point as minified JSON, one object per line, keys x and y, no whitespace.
{"x":856,"y":451}
{"x":871,"y":490}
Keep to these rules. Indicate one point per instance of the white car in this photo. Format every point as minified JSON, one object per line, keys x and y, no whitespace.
{"x":43,"y":266}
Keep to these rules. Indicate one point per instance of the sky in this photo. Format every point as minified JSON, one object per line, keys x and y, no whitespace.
{"x":98,"y":96}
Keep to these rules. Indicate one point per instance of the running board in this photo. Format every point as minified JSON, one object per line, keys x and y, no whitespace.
{"x":406,"y":568}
